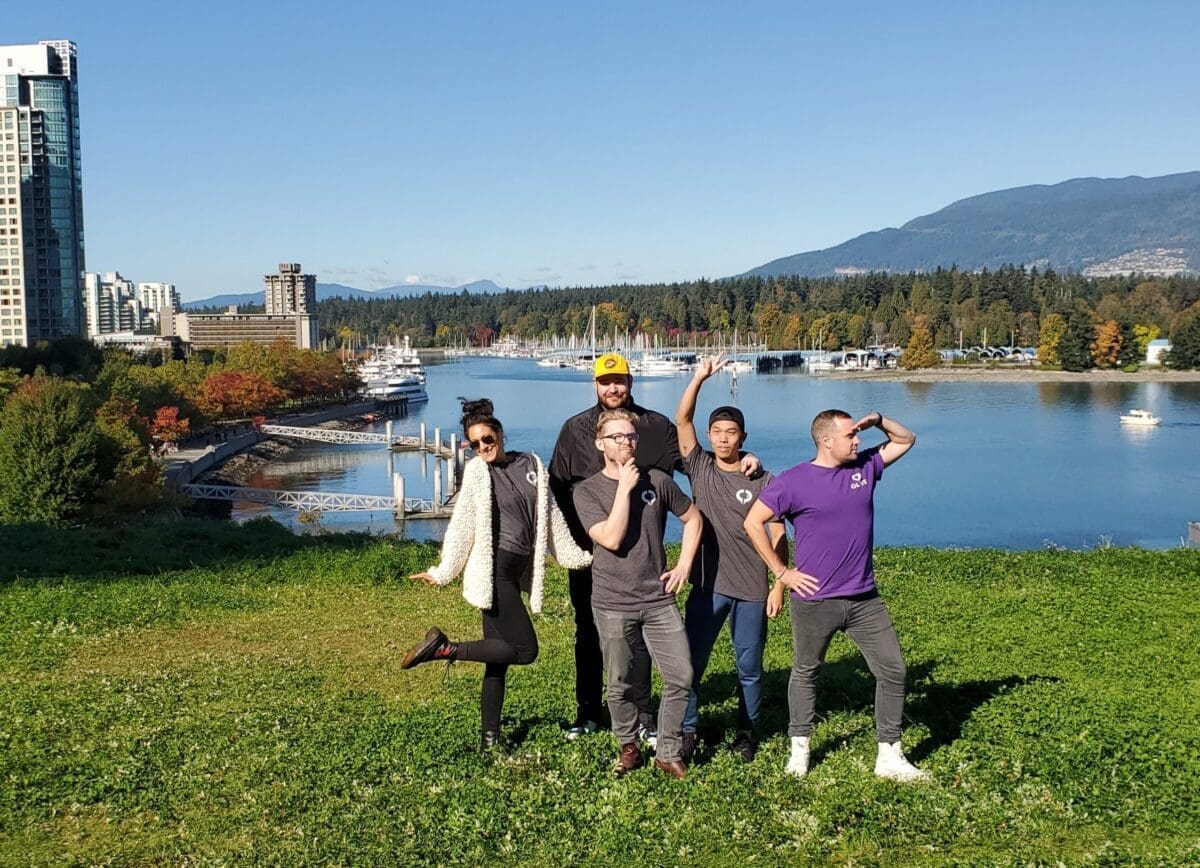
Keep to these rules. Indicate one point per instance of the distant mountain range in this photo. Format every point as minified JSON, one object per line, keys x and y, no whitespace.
{"x":337,"y":290}
{"x":1098,"y":226}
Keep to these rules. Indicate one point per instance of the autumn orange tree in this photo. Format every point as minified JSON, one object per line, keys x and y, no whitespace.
{"x":168,"y":426}
{"x":1106,"y":347}
{"x":920,"y":352}
{"x":232,"y":394}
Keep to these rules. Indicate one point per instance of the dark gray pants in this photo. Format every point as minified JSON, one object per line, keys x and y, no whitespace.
{"x":869,"y":626}
{"x":626,"y":640}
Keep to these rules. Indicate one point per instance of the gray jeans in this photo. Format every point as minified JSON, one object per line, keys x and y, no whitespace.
{"x":869,"y":626}
{"x":625,"y":640}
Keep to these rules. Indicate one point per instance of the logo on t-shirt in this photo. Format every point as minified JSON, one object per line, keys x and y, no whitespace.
{"x":531,"y":477}
{"x":857,"y":482}
{"x":648,"y":497}
{"x":744,"y":496}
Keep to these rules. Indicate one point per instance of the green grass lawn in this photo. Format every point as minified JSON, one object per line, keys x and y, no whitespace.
{"x":198,"y":692}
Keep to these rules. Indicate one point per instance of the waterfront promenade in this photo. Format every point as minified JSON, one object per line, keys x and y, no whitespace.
{"x":195,"y":459}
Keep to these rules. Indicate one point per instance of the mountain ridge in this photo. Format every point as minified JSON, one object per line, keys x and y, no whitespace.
{"x":1080,"y":224}
{"x":337,"y":290}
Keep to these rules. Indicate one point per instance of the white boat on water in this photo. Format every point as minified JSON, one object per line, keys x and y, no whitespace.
{"x":662,"y":364}
{"x":394,"y":372}
{"x":1140,"y":417}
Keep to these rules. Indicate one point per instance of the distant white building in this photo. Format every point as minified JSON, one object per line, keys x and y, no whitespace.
{"x":111,"y":304}
{"x":1155,"y":350}
{"x":155,"y":297}
{"x":158,"y":295}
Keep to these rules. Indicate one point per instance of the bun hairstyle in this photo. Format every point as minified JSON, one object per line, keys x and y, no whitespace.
{"x":479,"y":412}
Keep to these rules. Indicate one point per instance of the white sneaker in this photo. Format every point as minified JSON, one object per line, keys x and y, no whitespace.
{"x":647,"y":731}
{"x":891,"y":764}
{"x":798,"y":762}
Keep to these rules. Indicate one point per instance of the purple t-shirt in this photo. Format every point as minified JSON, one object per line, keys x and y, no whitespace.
{"x":832,"y":510}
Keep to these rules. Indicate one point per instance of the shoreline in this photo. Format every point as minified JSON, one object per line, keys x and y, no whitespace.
{"x":237,"y":469}
{"x":965,"y":374}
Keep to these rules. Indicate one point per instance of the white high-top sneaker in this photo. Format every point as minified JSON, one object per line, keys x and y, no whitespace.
{"x":891,"y":764}
{"x":798,"y":762}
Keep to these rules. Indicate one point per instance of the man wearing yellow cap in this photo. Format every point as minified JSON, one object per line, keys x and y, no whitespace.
{"x":575,"y":459}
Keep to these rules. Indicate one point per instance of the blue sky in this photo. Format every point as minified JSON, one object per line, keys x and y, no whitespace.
{"x":572,"y":144}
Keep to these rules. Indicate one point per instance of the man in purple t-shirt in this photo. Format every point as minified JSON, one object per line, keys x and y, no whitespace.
{"x":830,"y":503}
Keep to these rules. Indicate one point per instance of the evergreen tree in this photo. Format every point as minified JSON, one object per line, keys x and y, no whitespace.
{"x":1185,"y":345}
{"x":50,"y":448}
{"x":1130,"y":353}
{"x":1075,"y":348}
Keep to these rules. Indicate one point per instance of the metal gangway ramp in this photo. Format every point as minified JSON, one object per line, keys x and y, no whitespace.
{"x":321,"y":501}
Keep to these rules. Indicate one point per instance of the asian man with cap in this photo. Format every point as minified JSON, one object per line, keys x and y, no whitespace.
{"x":729,"y":580}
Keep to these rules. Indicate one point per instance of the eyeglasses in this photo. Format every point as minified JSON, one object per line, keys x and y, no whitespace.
{"x":485,"y":440}
{"x":621,"y":437}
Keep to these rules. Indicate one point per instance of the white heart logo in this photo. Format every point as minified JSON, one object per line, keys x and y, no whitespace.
{"x":648,"y":497}
{"x":743,"y":496}
{"x":857,"y":477}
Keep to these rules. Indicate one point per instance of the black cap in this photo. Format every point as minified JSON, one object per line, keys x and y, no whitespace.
{"x":727,"y":414}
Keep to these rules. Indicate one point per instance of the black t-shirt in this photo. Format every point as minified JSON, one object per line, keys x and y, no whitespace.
{"x":576,"y":457}
{"x":514,"y":499}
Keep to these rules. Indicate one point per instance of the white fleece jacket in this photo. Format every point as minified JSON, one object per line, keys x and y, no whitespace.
{"x":468,"y":540}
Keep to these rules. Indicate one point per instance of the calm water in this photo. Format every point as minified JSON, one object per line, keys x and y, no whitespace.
{"x":1008,"y":465}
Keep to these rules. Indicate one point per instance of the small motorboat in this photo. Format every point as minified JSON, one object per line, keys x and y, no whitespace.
{"x":1140,"y":417}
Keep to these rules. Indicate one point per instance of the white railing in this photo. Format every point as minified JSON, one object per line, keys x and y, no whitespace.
{"x":333,"y":435}
{"x":307,"y":500}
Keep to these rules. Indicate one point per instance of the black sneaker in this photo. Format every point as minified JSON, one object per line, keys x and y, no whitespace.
{"x":490,"y":740}
{"x":688,"y":750}
{"x":435,"y":646}
{"x":744,"y":747}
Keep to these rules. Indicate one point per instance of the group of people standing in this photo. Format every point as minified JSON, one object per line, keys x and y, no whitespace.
{"x":600,"y":509}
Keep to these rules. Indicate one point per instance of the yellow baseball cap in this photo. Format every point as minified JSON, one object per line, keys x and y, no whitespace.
{"x":609,"y":363}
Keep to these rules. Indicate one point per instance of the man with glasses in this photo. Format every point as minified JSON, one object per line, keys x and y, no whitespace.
{"x":575,"y":459}
{"x":633,"y":596}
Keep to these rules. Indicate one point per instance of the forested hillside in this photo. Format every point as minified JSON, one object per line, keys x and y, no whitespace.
{"x":1010,"y":303}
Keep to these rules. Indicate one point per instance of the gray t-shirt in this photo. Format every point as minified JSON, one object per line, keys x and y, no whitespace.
{"x":630,"y":578}
{"x":514,"y":489}
{"x":727,"y":562}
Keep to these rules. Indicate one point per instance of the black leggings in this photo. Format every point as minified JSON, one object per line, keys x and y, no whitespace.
{"x":508,"y":640}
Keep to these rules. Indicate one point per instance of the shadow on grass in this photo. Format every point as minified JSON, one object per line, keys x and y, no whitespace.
{"x":37,"y":551}
{"x":847,"y":685}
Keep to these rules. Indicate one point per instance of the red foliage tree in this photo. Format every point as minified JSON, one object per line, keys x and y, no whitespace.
{"x":231,"y":394}
{"x":167,"y":427}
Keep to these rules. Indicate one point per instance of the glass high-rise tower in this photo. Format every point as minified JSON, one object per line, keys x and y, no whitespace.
{"x":41,"y":194}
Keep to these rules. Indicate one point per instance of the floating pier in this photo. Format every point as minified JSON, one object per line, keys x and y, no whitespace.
{"x":447,"y":471}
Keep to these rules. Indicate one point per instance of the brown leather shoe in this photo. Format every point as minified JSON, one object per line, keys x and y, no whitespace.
{"x":675,"y":768}
{"x":629,"y":758}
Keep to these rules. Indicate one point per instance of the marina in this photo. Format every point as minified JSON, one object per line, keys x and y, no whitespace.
{"x":1017,"y":465}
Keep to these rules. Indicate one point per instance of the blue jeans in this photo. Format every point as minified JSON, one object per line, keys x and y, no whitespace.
{"x":706,"y":612}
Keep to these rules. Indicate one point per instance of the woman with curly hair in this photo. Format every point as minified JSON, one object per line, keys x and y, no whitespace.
{"x":505,"y":522}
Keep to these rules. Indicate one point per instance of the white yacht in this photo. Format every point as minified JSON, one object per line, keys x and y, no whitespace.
{"x":661,"y":365}
{"x":393,"y":372}
{"x":1140,"y":417}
